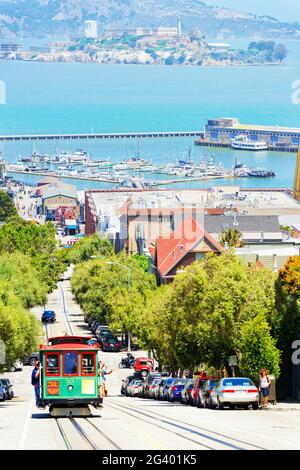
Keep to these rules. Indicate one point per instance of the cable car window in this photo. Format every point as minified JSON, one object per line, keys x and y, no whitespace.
{"x":70,"y":363}
{"x":88,"y":364}
{"x":52,"y":364}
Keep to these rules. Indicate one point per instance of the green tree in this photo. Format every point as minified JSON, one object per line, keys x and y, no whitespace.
{"x":232,"y":237}
{"x":95,"y":245}
{"x":288,"y":324}
{"x":257,"y":348}
{"x":280,"y":52}
{"x":7,"y":207}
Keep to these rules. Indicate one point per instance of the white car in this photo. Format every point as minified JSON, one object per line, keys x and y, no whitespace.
{"x":234,"y":391}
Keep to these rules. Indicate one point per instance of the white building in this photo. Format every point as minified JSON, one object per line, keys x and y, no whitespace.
{"x":91,"y":29}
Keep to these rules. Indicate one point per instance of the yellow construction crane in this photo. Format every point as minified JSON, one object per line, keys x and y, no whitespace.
{"x":297,"y":178}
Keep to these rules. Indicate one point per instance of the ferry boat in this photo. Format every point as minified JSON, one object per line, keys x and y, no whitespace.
{"x":242,"y":142}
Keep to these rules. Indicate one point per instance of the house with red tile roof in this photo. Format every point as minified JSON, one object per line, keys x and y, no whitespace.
{"x":186,"y":244}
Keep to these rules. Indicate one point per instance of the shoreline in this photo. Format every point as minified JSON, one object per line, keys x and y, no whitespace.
{"x":220,"y":64}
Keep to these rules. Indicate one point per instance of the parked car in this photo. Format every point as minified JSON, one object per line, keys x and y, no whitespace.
{"x":101,"y":329}
{"x":30,"y":360}
{"x":234,"y":391}
{"x":200,"y":381}
{"x":203,"y":399}
{"x":166,"y":386}
{"x":174,"y":392}
{"x":48,"y":316}
{"x":125,"y":383}
{"x":8,"y":388}
{"x":17,"y":366}
{"x":153,"y":388}
{"x":94,"y":325}
{"x":144,"y":365}
{"x":186,"y":392}
{"x":2,"y":392}
{"x":134,"y":387}
{"x":111,"y":343}
{"x":160,"y":391}
{"x":148,"y":382}
{"x":104,"y":335}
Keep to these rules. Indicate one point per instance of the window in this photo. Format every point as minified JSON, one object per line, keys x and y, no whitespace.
{"x":70,"y":363}
{"x":52,"y":364}
{"x":88,"y":364}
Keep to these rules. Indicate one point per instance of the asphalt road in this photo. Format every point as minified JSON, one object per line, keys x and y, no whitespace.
{"x":132,"y":423}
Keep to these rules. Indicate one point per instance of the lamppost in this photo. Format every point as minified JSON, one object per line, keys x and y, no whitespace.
{"x":129,"y":279}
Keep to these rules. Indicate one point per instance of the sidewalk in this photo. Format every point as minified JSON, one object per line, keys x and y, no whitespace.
{"x":284,"y":406}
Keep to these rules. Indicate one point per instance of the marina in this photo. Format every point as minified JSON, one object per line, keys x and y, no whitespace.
{"x":130,"y":172}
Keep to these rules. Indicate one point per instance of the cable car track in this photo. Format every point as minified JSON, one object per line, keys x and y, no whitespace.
{"x":172,"y":422}
{"x":102,"y":433}
{"x":63,"y":434}
{"x":64,"y":310}
{"x":83,"y":434}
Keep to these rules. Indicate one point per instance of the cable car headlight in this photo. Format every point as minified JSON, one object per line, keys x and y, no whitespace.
{"x":70,"y":388}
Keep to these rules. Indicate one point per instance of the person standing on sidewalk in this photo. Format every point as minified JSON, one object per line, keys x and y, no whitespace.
{"x":35,"y":381}
{"x":264,"y":387}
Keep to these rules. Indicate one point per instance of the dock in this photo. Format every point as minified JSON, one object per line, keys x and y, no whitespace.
{"x":98,"y":136}
{"x":271,"y":148}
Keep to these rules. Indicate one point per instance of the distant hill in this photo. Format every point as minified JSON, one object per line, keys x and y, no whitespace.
{"x":63,"y":18}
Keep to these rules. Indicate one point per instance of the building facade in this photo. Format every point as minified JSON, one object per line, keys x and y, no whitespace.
{"x":91,"y":29}
{"x":224,"y":129}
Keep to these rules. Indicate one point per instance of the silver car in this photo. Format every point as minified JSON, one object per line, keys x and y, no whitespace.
{"x":134,"y":388}
{"x":153,"y":389}
{"x":234,"y":391}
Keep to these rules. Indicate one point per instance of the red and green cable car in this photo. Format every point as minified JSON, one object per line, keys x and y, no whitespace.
{"x":69,"y":376}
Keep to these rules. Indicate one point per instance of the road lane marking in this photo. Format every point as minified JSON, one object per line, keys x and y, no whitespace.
{"x":25,"y":428}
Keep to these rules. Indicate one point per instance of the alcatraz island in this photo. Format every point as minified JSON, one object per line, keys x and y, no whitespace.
{"x":148,"y":46}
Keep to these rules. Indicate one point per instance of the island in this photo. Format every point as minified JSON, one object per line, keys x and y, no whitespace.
{"x":153,"y":49}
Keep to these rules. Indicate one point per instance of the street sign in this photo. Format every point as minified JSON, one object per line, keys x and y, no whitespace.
{"x":232,"y":361}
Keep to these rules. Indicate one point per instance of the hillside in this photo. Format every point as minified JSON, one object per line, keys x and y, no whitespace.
{"x":61,"y":18}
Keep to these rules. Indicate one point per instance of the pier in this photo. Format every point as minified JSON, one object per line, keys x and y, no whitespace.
{"x":220,"y":133}
{"x":99,"y":136}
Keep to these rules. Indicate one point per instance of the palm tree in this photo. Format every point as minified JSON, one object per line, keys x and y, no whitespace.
{"x":232,"y":237}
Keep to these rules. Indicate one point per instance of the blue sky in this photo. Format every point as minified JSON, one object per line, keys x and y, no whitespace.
{"x":282,"y":9}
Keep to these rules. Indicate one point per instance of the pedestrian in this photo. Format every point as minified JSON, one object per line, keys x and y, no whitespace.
{"x":264,"y":387}
{"x":35,"y":381}
{"x":103,"y":372}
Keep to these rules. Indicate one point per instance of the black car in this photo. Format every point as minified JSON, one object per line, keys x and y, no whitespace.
{"x":48,"y":316}
{"x":8,"y":389}
{"x":104,"y":335}
{"x":111,"y":343}
{"x":31,"y":360}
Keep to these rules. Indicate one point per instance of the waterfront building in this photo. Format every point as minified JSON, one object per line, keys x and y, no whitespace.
{"x":223,"y":130}
{"x":91,"y":29}
{"x":297,"y":178}
{"x":56,"y":195}
{"x":11,"y":47}
{"x":165,"y":32}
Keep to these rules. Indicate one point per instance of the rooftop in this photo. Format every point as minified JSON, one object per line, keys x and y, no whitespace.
{"x":172,"y":248}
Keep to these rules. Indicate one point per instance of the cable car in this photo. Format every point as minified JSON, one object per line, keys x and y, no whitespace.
{"x":69,"y":376}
